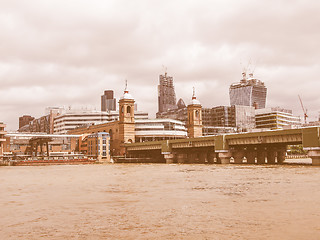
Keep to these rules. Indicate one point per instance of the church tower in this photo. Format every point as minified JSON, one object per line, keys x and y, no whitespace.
{"x":126,"y":119}
{"x":194,"y":117}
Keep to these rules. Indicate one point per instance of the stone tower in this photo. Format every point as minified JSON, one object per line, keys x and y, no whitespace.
{"x":194,"y":117}
{"x":126,"y":119}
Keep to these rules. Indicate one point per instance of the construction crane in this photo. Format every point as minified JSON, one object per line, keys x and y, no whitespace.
{"x":304,"y":110}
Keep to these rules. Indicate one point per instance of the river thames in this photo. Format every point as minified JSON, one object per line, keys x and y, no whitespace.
{"x":159,"y":201}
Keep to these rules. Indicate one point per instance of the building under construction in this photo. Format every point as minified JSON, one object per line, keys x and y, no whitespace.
{"x":166,"y":94}
{"x":249,"y":92}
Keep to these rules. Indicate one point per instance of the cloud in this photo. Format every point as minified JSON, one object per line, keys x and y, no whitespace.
{"x":68,"y":52}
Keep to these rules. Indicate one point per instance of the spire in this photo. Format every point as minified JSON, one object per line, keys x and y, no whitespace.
{"x":194,"y":94}
{"x":126,"y":88}
{"x":194,"y":100}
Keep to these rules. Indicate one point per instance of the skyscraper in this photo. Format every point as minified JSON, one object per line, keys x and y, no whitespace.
{"x":249,"y":92}
{"x":166,"y":94}
{"x":108,"y":103}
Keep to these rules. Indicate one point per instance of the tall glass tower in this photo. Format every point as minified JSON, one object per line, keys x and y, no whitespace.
{"x":249,"y":92}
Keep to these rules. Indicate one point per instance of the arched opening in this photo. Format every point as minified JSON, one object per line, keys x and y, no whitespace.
{"x":197,"y":114}
{"x":122,"y":109}
{"x":128,"y":109}
{"x":130,"y":141}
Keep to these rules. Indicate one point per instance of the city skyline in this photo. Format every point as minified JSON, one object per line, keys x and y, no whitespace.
{"x":56,"y":53}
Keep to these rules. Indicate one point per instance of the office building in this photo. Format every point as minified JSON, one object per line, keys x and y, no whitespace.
{"x":24,"y":120}
{"x":166,"y":94}
{"x":249,"y":92}
{"x":108,"y":102}
{"x":275,"y":118}
{"x":221,"y":119}
{"x":44,"y":123}
{"x":159,"y":129}
{"x":74,"y":118}
{"x":240,"y":118}
{"x":180,"y":114}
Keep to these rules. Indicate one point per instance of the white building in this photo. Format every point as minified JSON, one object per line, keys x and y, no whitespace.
{"x":71,"y":119}
{"x":275,"y":118}
{"x":159,"y":129}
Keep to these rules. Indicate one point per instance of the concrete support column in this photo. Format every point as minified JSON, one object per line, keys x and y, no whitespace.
{"x":271,"y":155}
{"x":238,"y":156}
{"x":223,"y":157}
{"x":168,"y":157}
{"x":281,"y":154}
{"x":251,"y":155}
{"x":315,"y":156}
{"x":261,"y":155}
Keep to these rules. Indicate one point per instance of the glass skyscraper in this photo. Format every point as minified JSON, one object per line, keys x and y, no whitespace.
{"x":249,"y":92}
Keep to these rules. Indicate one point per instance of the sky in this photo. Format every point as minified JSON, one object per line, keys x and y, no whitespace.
{"x":67,"y":52}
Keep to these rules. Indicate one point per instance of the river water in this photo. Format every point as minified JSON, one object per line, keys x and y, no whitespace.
{"x":159,"y":201}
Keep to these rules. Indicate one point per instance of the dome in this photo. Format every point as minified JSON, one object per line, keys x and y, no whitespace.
{"x":127,"y":95}
{"x":194,"y":101}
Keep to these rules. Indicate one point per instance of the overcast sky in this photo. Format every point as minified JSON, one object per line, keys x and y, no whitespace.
{"x":67,"y":52}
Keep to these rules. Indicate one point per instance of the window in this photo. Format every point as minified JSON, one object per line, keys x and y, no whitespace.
{"x":128,"y":109}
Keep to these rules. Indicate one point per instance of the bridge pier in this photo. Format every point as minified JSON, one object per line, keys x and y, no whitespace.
{"x":315,"y":156}
{"x":281,"y":154}
{"x":261,"y":155}
{"x":251,"y":155}
{"x":168,"y":157}
{"x":223,"y":156}
{"x":271,"y":155}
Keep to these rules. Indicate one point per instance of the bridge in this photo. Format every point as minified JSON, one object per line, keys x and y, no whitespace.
{"x":254,"y":147}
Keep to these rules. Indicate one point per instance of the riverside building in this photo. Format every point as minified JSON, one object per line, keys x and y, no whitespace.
{"x":130,"y":127}
{"x":249,"y":92}
{"x":98,"y":146}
